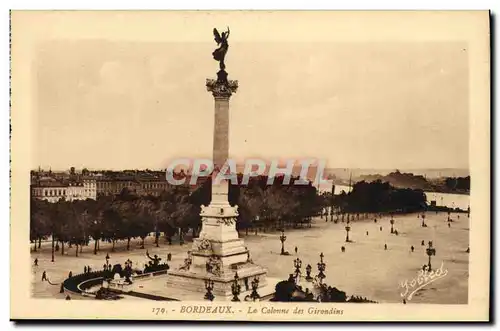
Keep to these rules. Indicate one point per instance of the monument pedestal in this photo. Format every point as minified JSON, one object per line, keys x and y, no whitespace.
{"x":217,"y":255}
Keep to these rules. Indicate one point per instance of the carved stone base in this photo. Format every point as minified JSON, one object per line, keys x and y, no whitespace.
{"x":218,"y":254}
{"x":195,"y":281}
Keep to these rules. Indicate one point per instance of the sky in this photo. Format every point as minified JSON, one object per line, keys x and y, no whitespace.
{"x":132,"y":104}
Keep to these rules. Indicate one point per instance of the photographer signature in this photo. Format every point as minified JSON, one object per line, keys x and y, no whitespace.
{"x":424,"y":277}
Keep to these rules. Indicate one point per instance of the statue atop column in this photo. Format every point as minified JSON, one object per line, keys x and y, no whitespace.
{"x":221,"y":86}
{"x":220,"y":53}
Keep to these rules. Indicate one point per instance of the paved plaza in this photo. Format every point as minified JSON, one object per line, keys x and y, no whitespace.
{"x":364,"y":269}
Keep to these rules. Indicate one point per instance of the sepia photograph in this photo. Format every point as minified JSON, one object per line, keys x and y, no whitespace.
{"x":237,"y":166}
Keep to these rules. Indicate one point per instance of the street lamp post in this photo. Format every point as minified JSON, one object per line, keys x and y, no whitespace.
{"x":347,"y":229}
{"x":282,"y":239}
{"x":209,"y":286}
{"x":392,"y":223}
{"x":308,"y":273}
{"x":157,"y":234}
{"x":297,"y":264}
{"x":430,"y":252}
{"x":321,"y":268}
{"x":255,"y":284}
{"x":95,"y":239}
{"x":236,"y":288}
{"x":107,"y":261}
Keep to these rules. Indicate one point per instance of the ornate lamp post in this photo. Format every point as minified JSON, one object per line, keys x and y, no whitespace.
{"x":308,"y":273}
{"x":209,"y":286}
{"x":423,"y":220}
{"x":157,"y":233}
{"x":430,"y":252}
{"x":392,"y":224}
{"x":107,"y":261}
{"x":321,"y":268}
{"x":282,"y":239}
{"x":255,"y":284}
{"x":297,"y":264}
{"x":128,"y":269}
{"x":96,"y":241}
{"x":236,"y":288}
{"x":347,"y":229}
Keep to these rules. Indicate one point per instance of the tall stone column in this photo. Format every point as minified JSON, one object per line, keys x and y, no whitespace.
{"x":221,"y":89}
{"x":219,"y":218}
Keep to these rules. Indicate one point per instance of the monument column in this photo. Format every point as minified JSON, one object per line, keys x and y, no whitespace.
{"x":221,"y":89}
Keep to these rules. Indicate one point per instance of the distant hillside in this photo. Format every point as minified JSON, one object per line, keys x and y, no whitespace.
{"x":342,"y":174}
{"x":409,"y":180}
{"x":400,"y":180}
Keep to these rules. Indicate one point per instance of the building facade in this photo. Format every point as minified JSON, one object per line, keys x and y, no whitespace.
{"x":52,"y":190}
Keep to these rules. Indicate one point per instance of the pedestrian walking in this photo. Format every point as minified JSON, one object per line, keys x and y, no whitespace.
{"x":36,"y":262}
{"x":44,"y":276}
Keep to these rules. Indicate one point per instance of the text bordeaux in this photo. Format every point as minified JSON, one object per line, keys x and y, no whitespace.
{"x":207,"y":310}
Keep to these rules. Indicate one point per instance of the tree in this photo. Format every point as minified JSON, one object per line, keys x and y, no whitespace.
{"x":250,"y":203}
{"x":39,"y":221}
{"x":59,"y":217}
{"x":113,"y":224}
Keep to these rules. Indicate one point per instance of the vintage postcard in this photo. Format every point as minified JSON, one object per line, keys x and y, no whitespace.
{"x":250,"y":166}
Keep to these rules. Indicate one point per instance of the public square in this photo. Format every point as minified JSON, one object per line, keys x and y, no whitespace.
{"x":364,"y":269}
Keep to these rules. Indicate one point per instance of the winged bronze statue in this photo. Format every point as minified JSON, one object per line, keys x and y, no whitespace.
{"x":220,"y":53}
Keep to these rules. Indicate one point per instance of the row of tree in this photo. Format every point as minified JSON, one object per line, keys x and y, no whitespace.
{"x":380,"y":197}
{"x":458,"y":183}
{"x":176,"y":211}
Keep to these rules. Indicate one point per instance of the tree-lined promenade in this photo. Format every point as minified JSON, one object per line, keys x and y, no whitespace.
{"x":363,"y":268}
{"x":175,"y":212}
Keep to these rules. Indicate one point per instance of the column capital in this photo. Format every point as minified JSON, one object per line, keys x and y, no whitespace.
{"x":222,"y":89}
